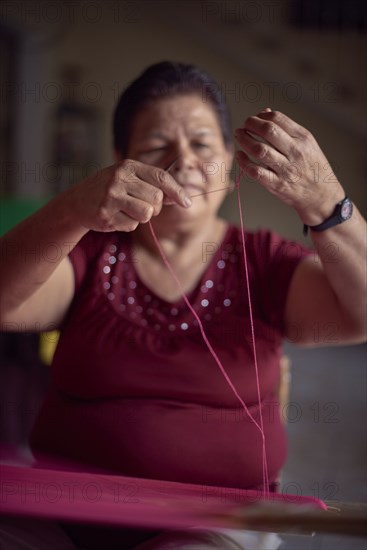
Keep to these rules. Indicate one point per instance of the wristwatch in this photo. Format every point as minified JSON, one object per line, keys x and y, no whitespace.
{"x":343,"y":212}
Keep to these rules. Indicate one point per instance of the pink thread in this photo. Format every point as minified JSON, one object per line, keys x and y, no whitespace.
{"x":260,"y":426}
{"x":265,"y":464}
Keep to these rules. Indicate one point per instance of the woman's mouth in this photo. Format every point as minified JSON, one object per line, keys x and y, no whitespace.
{"x":192,"y":189}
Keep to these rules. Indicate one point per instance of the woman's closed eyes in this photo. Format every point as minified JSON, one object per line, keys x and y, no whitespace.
{"x":205,"y":148}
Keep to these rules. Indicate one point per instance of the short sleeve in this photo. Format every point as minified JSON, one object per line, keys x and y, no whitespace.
{"x":84,"y":253}
{"x":275,"y":259}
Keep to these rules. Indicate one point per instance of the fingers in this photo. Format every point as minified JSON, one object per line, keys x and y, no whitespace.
{"x":159,"y":178}
{"x":294,"y":129}
{"x":138,"y":210}
{"x":264,"y":175}
{"x":262,"y":152}
{"x":271,"y":133}
{"x":125,"y":213}
{"x":122,"y":222}
{"x":282,"y":139}
{"x":137,"y":192}
{"x":283,"y":157}
{"x":124,"y":195}
{"x":147,"y":193}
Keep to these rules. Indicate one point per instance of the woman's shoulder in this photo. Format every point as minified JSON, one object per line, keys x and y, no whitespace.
{"x":266,"y":243}
{"x":95,"y":242}
{"x":96,"y":247}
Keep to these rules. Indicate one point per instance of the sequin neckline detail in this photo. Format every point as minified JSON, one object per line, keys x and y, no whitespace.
{"x":132,"y":299}
{"x":204,"y":283}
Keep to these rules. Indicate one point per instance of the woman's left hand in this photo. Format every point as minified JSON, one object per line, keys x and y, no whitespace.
{"x":289,"y":163}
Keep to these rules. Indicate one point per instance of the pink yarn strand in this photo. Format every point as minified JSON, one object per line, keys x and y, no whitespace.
{"x":169,"y":267}
{"x":265,"y":465}
{"x":260,"y":426}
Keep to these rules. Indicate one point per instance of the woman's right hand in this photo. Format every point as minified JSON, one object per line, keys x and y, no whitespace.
{"x":38,"y":292}
{"x":123,"y":195}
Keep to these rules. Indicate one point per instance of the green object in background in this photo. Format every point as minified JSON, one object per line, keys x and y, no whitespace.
{"x":13,"y":211}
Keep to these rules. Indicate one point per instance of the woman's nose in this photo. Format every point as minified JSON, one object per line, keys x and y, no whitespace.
{"x":185,"y":159}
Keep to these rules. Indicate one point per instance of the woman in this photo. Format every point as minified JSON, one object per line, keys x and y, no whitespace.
{"x":134,"y":388}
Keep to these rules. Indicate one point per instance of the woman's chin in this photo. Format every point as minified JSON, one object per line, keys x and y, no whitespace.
{"x":198,"y":208}
{"x":175,"y":215}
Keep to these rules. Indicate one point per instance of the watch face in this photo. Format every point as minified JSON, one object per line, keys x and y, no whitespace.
{"x":346,"y":210}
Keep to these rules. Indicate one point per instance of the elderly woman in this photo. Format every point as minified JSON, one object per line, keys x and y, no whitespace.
{"x":134,"y":388}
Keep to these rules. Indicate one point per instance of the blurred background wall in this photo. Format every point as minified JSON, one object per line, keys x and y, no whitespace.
{"x":67,"y":61}
{"x":64,"y":64}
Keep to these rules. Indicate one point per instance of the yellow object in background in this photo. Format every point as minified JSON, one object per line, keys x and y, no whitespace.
{"x":48,"y":344}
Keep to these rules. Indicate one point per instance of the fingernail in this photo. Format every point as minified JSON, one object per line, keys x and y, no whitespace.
{"x":187,"y":201}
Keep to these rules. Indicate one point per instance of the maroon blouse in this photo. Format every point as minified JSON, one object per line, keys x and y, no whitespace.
{"x":134,"y":388}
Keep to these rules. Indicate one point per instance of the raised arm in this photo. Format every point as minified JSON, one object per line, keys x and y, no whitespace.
{"x":36,"y":276}
{"x":327,"y":299}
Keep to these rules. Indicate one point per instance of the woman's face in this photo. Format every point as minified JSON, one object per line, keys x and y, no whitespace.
{"x":184,"y":129}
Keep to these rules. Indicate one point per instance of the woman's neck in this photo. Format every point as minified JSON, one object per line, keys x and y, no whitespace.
{"x":177,"y":241}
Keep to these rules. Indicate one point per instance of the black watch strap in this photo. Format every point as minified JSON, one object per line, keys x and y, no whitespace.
{"x":342,"y":212}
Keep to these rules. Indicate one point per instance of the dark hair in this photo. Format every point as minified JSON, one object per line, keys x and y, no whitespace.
{"x":163,"y":80}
